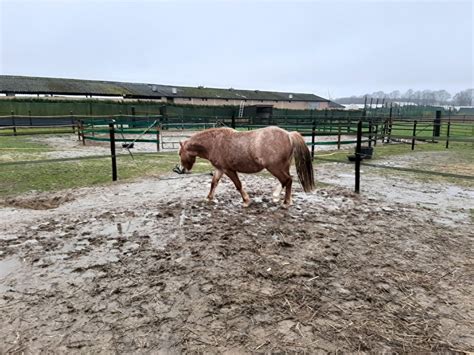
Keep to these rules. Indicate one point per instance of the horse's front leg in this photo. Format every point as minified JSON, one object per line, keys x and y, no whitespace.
{"x":215,"y":181}
{"x":235,"y":178}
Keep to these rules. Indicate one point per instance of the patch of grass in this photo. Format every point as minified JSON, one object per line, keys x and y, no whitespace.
{"x":21,"y":148}
{"x":393,"y":149}
{"x":458,"y":160}
{"x":17,"y":179}
{"x":22,"y":131}
{"x":19,"y":143}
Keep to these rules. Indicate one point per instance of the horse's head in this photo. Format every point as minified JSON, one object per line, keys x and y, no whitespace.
{"x":187,"y":156}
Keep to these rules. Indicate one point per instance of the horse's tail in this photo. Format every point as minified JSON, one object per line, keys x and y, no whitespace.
{"x":303,"y":162}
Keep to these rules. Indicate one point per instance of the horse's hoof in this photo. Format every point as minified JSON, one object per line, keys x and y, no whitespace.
{"x":287,"y":205}
{"x":247,"y":204}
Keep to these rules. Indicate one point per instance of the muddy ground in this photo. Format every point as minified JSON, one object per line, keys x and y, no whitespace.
{"x":151,"y":266}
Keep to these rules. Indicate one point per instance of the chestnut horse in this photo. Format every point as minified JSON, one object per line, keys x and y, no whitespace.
{"x":232,"y":152}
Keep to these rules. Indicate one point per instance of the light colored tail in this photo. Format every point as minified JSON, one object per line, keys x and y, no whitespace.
{"x":303,"y":162}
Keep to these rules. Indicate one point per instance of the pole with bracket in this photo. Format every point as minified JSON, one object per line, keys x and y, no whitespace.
{"x":112,"y":151}
{"x":358,"y":156}
{"x":413,"y":138}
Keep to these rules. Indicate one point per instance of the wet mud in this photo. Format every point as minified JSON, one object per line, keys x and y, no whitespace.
{"x":151,"y":266}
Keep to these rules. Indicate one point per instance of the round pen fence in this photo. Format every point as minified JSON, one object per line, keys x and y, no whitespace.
{"x":326,"y":130}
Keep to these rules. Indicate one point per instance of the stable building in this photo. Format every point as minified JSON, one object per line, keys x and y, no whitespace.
{"x":12,"y":85}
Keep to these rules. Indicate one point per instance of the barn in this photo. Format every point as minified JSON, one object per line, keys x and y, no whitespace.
{"x":11,"y":86}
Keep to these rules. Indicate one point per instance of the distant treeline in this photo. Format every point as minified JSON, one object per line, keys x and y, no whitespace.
{"x":420,"y":97}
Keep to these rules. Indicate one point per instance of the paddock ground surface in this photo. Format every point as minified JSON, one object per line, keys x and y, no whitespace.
{"x":149,"y":265}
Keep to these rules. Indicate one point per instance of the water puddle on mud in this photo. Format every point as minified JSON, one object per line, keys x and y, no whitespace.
{"x":7,"y":267}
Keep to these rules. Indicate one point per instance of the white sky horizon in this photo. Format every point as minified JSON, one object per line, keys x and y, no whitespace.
{"x":330,"y":49}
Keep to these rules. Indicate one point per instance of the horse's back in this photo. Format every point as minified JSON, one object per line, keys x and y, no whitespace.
{"x":272,"y":146}
{"x":251,"y":151}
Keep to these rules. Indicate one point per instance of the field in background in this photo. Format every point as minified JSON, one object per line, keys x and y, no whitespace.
{"x":91,"y":165}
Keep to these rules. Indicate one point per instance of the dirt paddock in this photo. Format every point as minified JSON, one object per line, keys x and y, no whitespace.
{"x":151,"y":266}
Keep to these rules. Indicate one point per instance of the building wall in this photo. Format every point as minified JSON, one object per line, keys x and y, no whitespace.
{"x":294,"y":105}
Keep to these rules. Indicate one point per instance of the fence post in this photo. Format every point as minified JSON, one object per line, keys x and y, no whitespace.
{"x":413,"y":138}
{"x":82,"y":134}
{"x":384,"y":130}
{"x":389,"y":132}
{"x":13,"y":123}
{"x":233,"y":120}
{"x":358,"y":156}
{"x":313,"y":134}
{"x":112,"y":151}
{"x":78,"y":123}
{"x":447,"y":134}
{"x":339,"y":135}
{"x":158,"y":137}
{"x":29,"y":115}
{"x":72,"y":122}
{"x":370,"y":132}
{"x":376,"y":133}
{"x":437,"y":125}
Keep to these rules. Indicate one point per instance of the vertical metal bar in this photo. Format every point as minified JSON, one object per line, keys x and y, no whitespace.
{"x":72,"y":122}
{"x":437,"y":125}
{"x":325,"y":120}
{"x":358,"y":156}
{"x":29,"y":115}
{"x":376,"y":134}
{"x":339,"y":136}
{"x":158,"y":137}
{"x":447,"y":134}
{"x":112,"y":151}
{"x":13,"y":123}
{"x":78,"y":130}
{"x":413,"y":136}
{"x":313,"y":136}
{"x":370,"y":133}
{"x":390,"y":122}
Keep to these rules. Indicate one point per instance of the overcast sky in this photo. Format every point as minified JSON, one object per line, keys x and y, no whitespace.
{"x":334,"y":48}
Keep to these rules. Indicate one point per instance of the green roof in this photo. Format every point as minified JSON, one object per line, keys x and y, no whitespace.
{"x":59,"y":86}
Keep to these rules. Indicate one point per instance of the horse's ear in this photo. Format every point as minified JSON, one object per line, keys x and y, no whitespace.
{"x":181,"y":144}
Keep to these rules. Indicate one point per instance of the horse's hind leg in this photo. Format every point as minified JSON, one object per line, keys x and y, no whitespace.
{"x":235,"y":178}
{"x":277,"y":192}
{"x":215,"y":181}
{"x":283,"y":175}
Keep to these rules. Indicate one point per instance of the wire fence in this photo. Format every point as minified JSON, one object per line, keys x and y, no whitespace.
{"x":363,"y":131}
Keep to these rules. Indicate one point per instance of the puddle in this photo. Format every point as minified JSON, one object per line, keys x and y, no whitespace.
{"x":7,"y":266}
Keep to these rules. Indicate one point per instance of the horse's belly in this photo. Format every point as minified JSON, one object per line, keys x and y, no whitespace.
{"x":250,"y":170}
{"x":247,"y":166}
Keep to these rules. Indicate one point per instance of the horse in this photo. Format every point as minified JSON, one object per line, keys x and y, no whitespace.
{"x":231,"y":152}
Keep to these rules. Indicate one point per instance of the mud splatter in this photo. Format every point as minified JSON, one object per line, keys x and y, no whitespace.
{"x":151,"y":266}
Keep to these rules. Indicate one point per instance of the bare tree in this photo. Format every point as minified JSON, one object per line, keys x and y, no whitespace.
{"x":442,"y":96}
{"x":395,"y":94}
{"x":464,"y":98}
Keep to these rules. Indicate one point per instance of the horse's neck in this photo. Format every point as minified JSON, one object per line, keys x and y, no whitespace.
{"x":207,"y":140}
{"x":205,"y":143}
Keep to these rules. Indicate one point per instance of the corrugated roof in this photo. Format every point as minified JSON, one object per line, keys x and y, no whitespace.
{"x":59,"y":86}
